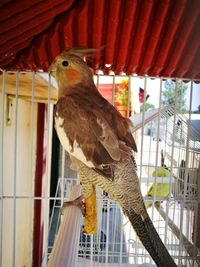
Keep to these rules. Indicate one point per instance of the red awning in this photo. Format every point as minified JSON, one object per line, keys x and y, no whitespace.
{"x":148,"y":37}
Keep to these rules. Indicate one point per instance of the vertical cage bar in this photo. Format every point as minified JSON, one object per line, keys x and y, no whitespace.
{"x":157,"y":149}
{"x":173,"y":218}
{"x":62,"y":184}
{"x":187,"y":154}
{"x":150,"y":149}
{"x":181,"y":204}
{"x":142,"y":130}
{"x":188,"y":143}
{"x":121,"y":246}
{"x":31,"y":171}
{"x":181,"y":229}
{"x":129,"y":96}
{"x":1,"y":163}
{"x":48,"y":173}
{"x":113,"y":90}
{"x":114,"y":227}
{"x":91,"y":249}
{"x":172,"y":153}
{"x":15,"y":170}
{"x":107,"y":231}
{"x":141,"y":153}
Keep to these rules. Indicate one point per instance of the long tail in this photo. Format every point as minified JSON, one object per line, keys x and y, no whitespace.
{"x":126,"y":190}
{"x":151,"y":240}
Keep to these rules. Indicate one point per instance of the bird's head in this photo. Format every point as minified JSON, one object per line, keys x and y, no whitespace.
{"x":70,"y":69}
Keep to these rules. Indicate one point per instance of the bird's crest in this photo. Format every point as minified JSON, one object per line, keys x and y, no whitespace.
{"x":83,"y":52}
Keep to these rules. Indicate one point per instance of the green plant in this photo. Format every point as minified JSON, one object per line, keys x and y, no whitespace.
{"x":171,"y":94}
{"x":122,"y":93}
{"x":146,"y":106}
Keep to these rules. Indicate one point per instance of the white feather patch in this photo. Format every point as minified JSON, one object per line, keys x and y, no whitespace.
{"x":76,"y":152}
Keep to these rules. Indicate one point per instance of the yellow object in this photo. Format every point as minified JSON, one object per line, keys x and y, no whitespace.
{"x":161,"y":172}
{"x":90,"y":223}
{"x":162,"y":189}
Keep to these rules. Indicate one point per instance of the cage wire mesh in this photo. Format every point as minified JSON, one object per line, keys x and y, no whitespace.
{"x":168,"y":168}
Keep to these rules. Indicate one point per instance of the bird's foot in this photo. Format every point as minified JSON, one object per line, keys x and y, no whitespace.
{"x":90,"y":221}
{"x":78,"y":202}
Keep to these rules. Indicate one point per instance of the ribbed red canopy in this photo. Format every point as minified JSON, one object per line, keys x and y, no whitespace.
{"x":146,"y":37}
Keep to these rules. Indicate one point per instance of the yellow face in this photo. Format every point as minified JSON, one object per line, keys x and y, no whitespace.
{"x":70,"y":70}
{"x":66,"y":70}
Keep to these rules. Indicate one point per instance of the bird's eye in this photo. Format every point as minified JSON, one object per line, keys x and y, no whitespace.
{"x":65,"y":63}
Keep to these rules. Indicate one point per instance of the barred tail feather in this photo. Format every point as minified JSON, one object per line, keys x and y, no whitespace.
{"x":151,"y":240}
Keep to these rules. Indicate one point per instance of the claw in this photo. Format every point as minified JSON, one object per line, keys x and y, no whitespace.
{"x":78,"y":202}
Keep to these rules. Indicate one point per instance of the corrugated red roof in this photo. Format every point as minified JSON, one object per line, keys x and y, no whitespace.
{"x":146,"y":37}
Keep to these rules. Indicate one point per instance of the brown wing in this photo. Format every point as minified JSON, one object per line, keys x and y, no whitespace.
{"x":122,"y":126}
{"x":85,"y":123}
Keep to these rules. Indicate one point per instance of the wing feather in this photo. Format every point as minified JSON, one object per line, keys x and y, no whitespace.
{"x":98,"y":138}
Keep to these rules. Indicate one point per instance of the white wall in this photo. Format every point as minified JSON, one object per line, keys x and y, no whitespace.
{"x":17,"y":214}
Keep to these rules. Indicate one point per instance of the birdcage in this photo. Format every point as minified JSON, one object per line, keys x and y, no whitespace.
{"x":145,"y":51}
{"x":31,"y":199}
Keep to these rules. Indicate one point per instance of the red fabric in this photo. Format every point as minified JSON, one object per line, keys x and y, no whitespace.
{"x":150,"y":37}
{"x":39,"y":177}
{"x":22,"y":20}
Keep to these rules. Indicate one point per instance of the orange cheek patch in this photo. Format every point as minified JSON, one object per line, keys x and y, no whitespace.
{"x":72,"y":75}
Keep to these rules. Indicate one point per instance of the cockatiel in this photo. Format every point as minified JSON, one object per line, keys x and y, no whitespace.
{"x":101,"y":146}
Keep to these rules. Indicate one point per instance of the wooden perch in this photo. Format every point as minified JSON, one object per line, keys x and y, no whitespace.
{"x":25,"y":88}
